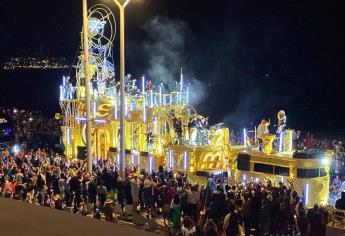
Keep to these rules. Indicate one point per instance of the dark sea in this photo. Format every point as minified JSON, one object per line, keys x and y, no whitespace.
{"x":31,"y":89}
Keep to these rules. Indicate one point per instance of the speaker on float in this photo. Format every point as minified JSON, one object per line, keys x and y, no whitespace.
{"x":243,"y":162}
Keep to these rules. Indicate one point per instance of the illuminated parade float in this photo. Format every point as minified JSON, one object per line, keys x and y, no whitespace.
{"x":163,"y":129}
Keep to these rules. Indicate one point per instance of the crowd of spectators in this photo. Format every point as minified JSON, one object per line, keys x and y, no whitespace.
{"x":34,"y":129}
{"x":219,"y":208}
{"x":26,"y":122}
{"x":185,"y":208}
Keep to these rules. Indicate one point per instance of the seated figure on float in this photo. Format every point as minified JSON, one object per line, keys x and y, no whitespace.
{"x":261,"y":131}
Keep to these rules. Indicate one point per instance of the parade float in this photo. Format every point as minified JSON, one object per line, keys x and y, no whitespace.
{"x":163,"y":129}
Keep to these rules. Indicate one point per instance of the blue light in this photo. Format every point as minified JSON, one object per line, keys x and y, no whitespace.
{"x":100,"y":121}
{"x":143,"y":84}
{"x":115,"y":105}
{"x":171,"y":161}
{"x":185,"y":160}
{"x":16,"y":149}
{"x":187,"y":99}
{"x":151,"y":97}
{"x":80,"y":118}
{"x":94,"y":109}
{"x":68,"y":136}
{"x":280,"y":141}
{"x":160,"y":94}
{"x":151,"y":164}
{"x":244,"y":137}
{"x":306,"y":194}
{"x":61,"y":93}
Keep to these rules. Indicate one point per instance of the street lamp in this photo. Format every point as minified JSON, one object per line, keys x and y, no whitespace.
{"x":87,"y":85}
{"x":122,"y":83}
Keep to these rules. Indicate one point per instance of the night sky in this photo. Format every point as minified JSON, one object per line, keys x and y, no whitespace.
{"x":249,"y":59}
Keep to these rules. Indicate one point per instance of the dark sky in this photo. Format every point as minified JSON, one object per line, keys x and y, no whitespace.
{"x":252,"y":57}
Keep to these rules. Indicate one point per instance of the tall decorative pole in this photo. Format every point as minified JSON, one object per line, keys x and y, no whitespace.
{"x":87,"y":85}
{"x":122,"y":85}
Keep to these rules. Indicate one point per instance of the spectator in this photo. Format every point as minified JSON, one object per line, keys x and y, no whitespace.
{"x":340,"y":203}
{"x":231,"y":222}
{"x":303,"y":224}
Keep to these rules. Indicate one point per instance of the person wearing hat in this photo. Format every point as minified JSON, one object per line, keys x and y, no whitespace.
{"x":135,"y":187}
{"x":148,"y":194}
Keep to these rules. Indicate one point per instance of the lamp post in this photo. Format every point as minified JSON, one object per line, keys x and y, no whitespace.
{"x":122,"y":84}
{"x":87,"y":85}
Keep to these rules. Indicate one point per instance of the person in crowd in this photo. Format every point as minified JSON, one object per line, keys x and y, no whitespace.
{"x":101,"y":191}
{"x":135,"y":187}
{"x":218,"y":197}
{"x":188,"y":227}
{"x":176,"y":212}
{"x":231,"y":222}
{"x":303,"y":224}
{"x":193,"y":197}
{"x":148,"y":195}
{"x":166,"y":195}
{"x":315,"y":220}
{"x":336,"y":184}
{"x":210,"y":228}
{"x":340,"y":203}
{"x":246,"y":212}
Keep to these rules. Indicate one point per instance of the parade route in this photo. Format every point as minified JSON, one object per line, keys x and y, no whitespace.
{"x":23,"y":219}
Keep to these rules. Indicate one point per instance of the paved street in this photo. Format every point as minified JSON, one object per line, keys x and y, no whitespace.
{"x":23,"y":219}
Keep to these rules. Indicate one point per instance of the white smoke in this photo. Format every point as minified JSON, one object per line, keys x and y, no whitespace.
{"x":166,"y":53}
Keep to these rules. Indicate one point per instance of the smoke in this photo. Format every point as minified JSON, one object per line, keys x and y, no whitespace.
{"x":166,"y":54}
{"x":248,"y":110}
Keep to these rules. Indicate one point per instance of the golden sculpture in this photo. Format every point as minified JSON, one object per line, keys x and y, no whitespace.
{"x":268,"y":140}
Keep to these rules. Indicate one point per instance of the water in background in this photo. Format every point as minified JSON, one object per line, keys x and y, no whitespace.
{"x":31,"y":89}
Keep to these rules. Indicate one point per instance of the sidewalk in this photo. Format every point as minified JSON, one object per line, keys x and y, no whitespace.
{"x":23,"y":219}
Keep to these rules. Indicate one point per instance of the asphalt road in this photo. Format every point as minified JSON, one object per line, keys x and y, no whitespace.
{"x":23,"y":219}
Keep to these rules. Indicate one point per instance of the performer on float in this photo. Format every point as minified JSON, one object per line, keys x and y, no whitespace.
{"x":281,"y":122}
{"x":262,"y":129}
{"x":128,"y":83}
{"x":193,"y":130}
{"x":94,"y":83}
{"x":281,"y":127}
